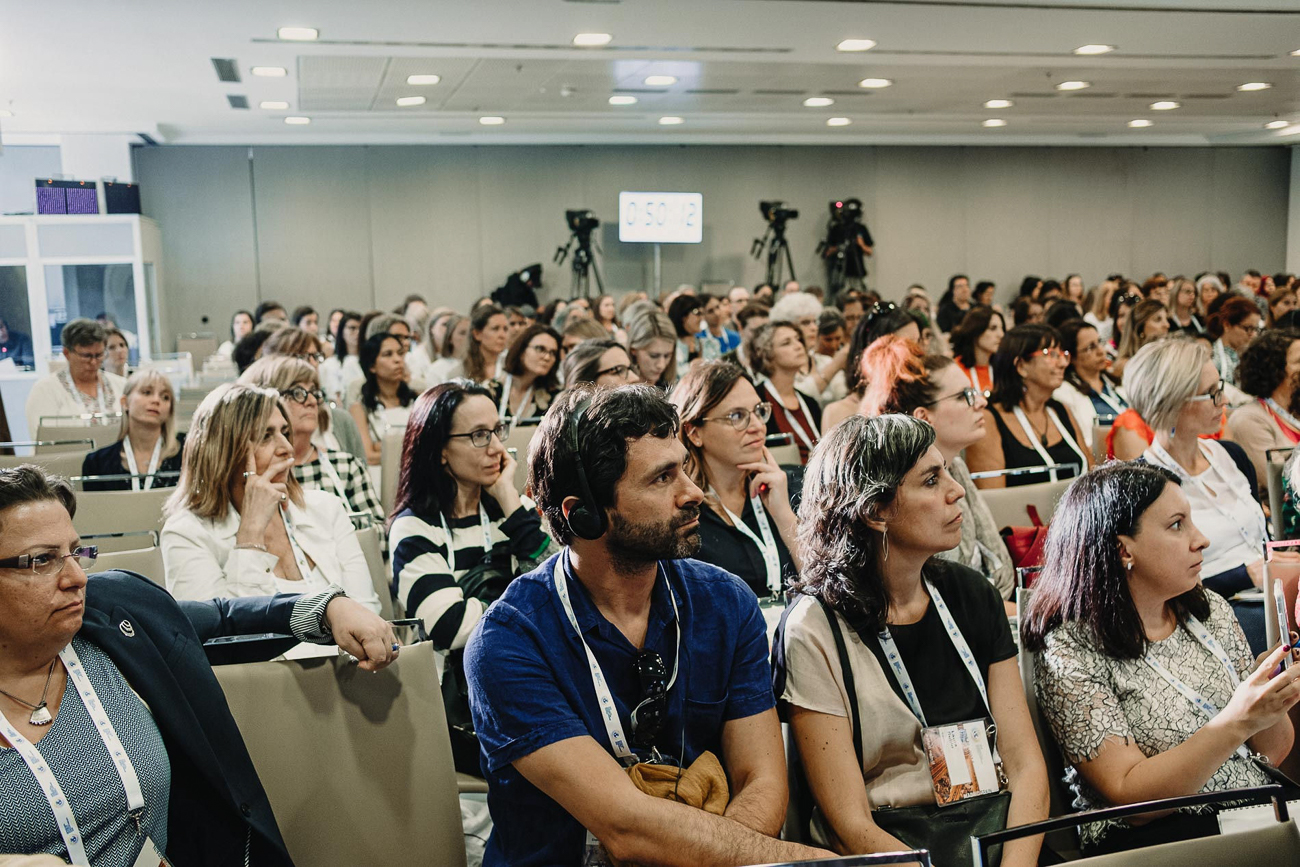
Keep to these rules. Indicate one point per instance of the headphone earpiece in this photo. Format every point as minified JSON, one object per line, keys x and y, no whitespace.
{"x":586,"y":520}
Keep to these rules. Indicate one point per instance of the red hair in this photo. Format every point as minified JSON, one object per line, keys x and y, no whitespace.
{"x":898,"y":376}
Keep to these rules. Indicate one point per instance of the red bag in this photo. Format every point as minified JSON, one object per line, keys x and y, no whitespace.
{"x":1025,"y":544}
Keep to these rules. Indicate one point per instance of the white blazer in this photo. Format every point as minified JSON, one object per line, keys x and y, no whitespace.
{"x":202,"y":562}
{"x":48,"y":397}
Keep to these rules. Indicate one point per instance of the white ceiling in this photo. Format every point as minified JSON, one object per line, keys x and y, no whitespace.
{"x":744,"y":69}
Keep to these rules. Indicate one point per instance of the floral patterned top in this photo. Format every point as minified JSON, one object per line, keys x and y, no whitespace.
{"x":1088,"y":697}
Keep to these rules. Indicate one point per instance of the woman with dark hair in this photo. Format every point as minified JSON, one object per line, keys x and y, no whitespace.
{"x":1148,"y":321}
{"x":1089,"y":392}
{"x":1270,"y":373}
{"x":306,"y":318}
{"x":531,"y":375}
{"x":904,"y":379}
{"x":344,"y":365}
{"x":1232,"y":326}
{"x":1121,"y":305}
{"x":1185,"y":307}
{"x":1146,"y":680}
{"x":1280,"y":303}
{"x":777,"y":355}
{"x":489,"y":329}
{"x":1027,"y":310}
{"x":887,"y":648}
{"x":687,"y":315}
{"x":1028,"y":427}
{"x":882,"y":319}
{"x":385,"y":400}
{"x":747,"y":523}
{"x":603,"y":362}
{"x":974,"y":342}
{"x":240,"y":324}
{"x":954,"y":304}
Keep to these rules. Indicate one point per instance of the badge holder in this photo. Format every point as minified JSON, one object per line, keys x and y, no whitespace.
{"x":962,"y":763}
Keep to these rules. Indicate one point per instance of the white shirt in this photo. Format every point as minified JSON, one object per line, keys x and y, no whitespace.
{"x":442,"y":370}
{"x":48,"y":397}
{"x":201,"y":561}
{"x":335,"y":375}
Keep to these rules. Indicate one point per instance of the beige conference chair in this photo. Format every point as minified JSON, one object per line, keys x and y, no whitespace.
{"x":1009,"y":506}
{"x":390,"y":467}
{"x":368,"y":539}
{"x":357,"y":766}
{"x":145,"y":561}
{"x":120,"y":511}
{"x":61,"y":458}
{"x":100,"y":429}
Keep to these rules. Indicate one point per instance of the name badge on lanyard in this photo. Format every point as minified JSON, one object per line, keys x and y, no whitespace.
{"x":1055,"y":421}
{"x":766,"y":545}
{"x":135,"y":468}
{"x":484,"y":524}
{"x":809,"y":435}
{"x":963,"y":756}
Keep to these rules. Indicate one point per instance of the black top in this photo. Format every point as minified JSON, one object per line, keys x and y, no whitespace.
{"x":1017,"y":454}
{"x":108,"y":462}
{"x":950,"y":316}
{"x":944,"y":687}
{"x":729,"y":548}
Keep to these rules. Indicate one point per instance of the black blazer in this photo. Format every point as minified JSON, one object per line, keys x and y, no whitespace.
{"x":108,"y":462}
{"x":217,"y":801}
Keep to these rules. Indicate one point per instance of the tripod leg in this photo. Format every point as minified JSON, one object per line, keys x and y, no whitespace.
{"x":789,"y":260}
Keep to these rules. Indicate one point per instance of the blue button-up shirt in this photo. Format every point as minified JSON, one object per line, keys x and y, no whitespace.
{"x":530,"y":686}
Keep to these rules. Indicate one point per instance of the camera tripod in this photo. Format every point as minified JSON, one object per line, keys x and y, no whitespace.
{"x":846,"y":268}
{"x":584,"y":265}
{"x":774,"y":241}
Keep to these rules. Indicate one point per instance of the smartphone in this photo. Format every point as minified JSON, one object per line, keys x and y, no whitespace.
{"x":1283,"y":628}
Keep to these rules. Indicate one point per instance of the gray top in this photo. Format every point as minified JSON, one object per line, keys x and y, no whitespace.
{"x":80,"y":761}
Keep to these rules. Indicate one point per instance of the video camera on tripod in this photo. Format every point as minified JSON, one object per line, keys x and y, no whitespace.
{"x":842,"y":247}
{"x":777,"y":214}
{"x":581,"y":223}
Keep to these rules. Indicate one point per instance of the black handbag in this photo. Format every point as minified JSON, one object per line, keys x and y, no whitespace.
{"x":944,"y":831}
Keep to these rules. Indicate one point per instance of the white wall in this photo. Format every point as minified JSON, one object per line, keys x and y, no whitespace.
{"x":363,"y":226}
{"x":20,"y":166}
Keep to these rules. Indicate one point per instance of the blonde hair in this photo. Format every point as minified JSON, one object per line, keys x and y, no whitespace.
{"x":1162,"y":377}
{"x":283,"y":372}
{"x":153,"y":376}
{"x":226,"y":428}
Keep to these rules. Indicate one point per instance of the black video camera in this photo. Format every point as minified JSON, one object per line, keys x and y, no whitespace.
{"x":777,"y":212}
{"x":581,"y":222}
{"x":846,"y":210}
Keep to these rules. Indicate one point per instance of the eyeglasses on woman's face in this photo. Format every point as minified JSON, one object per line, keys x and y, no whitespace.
{"x":1052,"y":353}
{"x":542,"y":351}
{"x":968,"y":394}
{"x":739,"y":418}
{"x":482,"y":437}
{"x":1215,"y":395}
{"x":618,"y":371}
{"x":299,"y":395}
{"x":309,"y":357}
{"x":50,"y":563}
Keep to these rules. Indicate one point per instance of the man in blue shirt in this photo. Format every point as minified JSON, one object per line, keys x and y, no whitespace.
{"x":618,"y":650}
{"x":717,"y":313}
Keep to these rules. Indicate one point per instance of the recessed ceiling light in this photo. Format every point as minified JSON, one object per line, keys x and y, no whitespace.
{"x":1296,"y":53}
{"x":423,"y":79}
{"x":491,"y":120}
{"x":856,"y":45}
{"x":1094,"y":49}
{"x":660,"y":80}
{"x":297,"y":121}
{"x":670,"y":121}
{"x":622,"y":100}
{"x":1074,"y":85}
{"x":270,"y":71}
{"x":592,"y":40}
{"x":410,"y":100}
{"x":1254,"y":85}
{"x":818,"y":101}
{"x":1139,"y":123}
{"x":1165,"y":105}
{"x":838,"y":121}
{"x":298,"y":34}
{"x":999,"y":103}
{"x":995,"y":121}
{"x":4,"y":112}
{"x":273,"y":105}
{"x":1276,"y":124}
{"x":875,"y":82}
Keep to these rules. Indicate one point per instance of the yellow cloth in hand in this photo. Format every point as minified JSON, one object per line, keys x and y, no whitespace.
{"x":703,"y":785}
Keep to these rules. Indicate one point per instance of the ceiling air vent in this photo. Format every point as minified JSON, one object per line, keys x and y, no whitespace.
{"x":237,"y":101}
{"x":226,"y":69}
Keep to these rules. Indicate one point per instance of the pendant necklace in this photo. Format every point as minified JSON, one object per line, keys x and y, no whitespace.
{"x":40,"y":713}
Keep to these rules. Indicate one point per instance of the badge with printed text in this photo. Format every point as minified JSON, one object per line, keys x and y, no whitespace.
{"x":961,"y":761}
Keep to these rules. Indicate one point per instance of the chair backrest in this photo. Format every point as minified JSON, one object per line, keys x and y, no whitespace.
{"x":111,"y":543}
{"x":1274,"y":843}
{"x":326,"y":736}
{"x":147,"y":561}
{"x":1099,"y":433}
{"x":1059,"y":799}
{"x":1008,"y":505}
{"x":120,"y":511}
{"x":199,"y":346}
{"x":390,"y":467}
{"x":519,"y":439}
{"x":786,"y":456}
{"x":60,"y":463}
{"x":105,"y":430}
{"x":368,"y":539}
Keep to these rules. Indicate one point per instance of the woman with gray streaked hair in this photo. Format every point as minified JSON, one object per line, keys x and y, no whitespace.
{"x":83,"y":387}
{"x":930,"y":646}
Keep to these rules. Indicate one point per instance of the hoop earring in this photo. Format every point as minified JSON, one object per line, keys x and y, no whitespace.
{"x":884,"y":540}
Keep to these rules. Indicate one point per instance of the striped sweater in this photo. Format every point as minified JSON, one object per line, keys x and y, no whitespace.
{"x":429,"y":582}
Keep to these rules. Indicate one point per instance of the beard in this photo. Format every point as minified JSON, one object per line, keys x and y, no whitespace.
{"x":633,"y":545}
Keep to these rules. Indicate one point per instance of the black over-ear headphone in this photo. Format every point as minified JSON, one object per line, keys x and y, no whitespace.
{"x":587,"y":519}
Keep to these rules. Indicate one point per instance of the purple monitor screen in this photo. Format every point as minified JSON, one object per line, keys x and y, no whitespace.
{"x":82,"y":200}
{"x":51,"y":200}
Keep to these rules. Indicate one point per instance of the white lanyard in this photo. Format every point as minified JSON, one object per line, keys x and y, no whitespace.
{"x":1204,"y":705}
{"x":1038,"y":446}
{"x":1105,"y":394}
{"x":1222,"y":361}
{"x":484,"y":524}
{"x":1291,"y":420}
{"x":97,"y":404}
{"x":135,"y":468}
{"x":298,"y":555}
{"x":503,"y":410}
{"x":766,"y":545}
{"x":975,"y":378}
{"x":608,"y":710}
{"x":958,"y":642}
{"x":328,"y":469}
{"x":809,"y":436}
{"x":63,"y":816}
{"x":1164,"y":459}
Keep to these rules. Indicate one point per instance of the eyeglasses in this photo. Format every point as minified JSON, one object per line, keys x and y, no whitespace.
{"x":543,"y":351}
{"x":1054,"y":353}
{"x":89,"y":356}
{"x":648,"y":715}
{"x":480,"y":438}
{"x":52,"y":564}
{"x":618,"y":371}
{"x":1129,"y":299}
{"x":1216,"y":394}
{"x":298,"y":394}
{"x":968,"y":394}
{"x":739,"y":418}
{"x":318,"y":357}
{"x":405,"y":338}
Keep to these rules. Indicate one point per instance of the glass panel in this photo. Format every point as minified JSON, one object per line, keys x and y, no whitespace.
{"x":15,"y":316}
{"x":13,"y":242}
{"x":104,"y":292}
{"x":86,"y":239}
{"x":151,"y":300}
